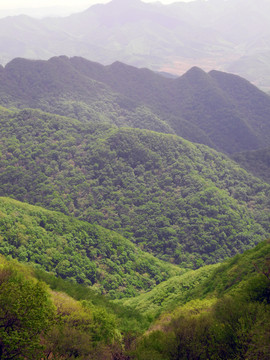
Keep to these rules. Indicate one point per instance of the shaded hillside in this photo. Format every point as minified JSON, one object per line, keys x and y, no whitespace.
{"x":221,"y":110}
{"x":78,"y":251}
{"x":184,"y":203}
{"x":256,"y":162}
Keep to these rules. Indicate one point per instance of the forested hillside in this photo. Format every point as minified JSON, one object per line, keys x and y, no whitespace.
{"x":221,"y":110}
{"x":184,"y":203}
{"x":208,"y":284}
{"x":40,"y":321}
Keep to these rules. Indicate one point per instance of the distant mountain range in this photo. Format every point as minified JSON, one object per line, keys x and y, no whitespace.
{"x":228,"y":35}
{"x":217,"y":109}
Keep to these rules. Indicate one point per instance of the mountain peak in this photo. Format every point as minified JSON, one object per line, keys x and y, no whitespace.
{"x":195,"y":70}
{"x":195,"y":75}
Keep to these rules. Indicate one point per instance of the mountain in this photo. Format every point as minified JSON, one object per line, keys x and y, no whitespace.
{"x":216,"y":34}
{"x":218,"y":109}
{"x":182,"y":202}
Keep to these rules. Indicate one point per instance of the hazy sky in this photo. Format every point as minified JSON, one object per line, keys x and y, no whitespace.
{"x":13,"y":4}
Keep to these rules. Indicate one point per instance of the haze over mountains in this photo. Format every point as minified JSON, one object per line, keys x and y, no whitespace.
{"x":216,"y":34}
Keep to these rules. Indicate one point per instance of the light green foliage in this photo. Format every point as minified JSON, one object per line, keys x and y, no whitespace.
{"x":37,"y":323}
{"x":246,"y":276}
{"x":232,"y":274}
{"x":26,"y":311}
{"x":80,"y":329}
{"x":234,"y":325}
{"x":171,"y":293}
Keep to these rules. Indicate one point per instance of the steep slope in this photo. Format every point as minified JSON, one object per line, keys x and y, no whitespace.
{"x":58,"y":86}
{"x":183,"y":202}
{"x":221,"y":110}
{"x":220,"y":311}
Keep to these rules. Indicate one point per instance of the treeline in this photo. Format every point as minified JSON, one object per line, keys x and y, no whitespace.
{"x":184,"y":203}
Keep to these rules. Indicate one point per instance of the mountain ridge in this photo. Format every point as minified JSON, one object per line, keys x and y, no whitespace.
{"x":218,"y":109}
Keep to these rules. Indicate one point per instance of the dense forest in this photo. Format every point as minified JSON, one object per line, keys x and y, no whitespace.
{"x":184,"y":203}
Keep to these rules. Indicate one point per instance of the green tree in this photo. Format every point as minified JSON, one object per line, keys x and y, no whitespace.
{"x":26,"y":313}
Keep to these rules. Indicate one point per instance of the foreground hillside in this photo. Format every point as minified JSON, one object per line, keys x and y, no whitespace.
{"x":38,"y":321}
{"x":208,"y":284}
{"x":217,"y":109}
{"x":185,"y":203}
{"x":218,"y":312}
